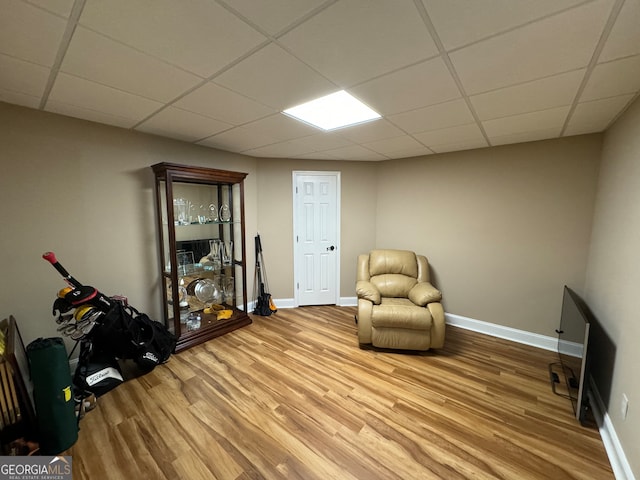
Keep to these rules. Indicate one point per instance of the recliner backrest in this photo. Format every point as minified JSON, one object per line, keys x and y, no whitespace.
{"x":393,"y":261}
{"x":393,"y":272}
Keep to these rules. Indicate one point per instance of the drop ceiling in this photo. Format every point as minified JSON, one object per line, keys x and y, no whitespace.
{"x":445,"y":75}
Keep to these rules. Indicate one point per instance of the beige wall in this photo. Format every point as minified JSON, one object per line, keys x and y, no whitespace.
{"x":613,"y":273}
{"x":504,"y":228}
{"x":275,"y":218}
{"x":85,"y":191}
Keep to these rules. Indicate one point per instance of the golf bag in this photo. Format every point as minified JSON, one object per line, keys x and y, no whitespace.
{"x":108,"y":330}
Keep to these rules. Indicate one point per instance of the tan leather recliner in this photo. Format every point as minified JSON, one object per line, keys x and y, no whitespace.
{"x":398,"y":307}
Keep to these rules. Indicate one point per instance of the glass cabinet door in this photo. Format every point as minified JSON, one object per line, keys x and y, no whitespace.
{"x":202,"y":250}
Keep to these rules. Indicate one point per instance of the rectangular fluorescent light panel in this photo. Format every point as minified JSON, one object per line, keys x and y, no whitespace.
{"x":333,"y":111}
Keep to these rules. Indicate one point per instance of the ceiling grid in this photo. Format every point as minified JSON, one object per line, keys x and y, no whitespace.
{"x":445,"y":75}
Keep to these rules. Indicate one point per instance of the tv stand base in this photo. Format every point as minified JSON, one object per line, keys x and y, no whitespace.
{"x":554,"y":379}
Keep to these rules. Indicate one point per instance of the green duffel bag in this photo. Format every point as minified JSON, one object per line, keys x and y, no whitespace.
{"x":52,"y":395}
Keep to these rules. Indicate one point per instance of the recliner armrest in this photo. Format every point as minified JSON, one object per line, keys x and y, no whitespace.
{"x":423,"y":293}
{"x":368,"y":291}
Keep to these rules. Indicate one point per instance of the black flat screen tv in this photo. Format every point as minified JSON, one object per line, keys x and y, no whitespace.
{"x":573,"y":350}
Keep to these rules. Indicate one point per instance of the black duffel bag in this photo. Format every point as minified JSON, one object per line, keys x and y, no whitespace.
{"x":127,"y":334}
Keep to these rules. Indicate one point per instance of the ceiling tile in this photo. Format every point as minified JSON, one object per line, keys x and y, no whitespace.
{"x":354,"y":152}
{"x":321,"y":141}
{"x":426,"y":83}
{"x":529,"y":136}
{"x":444,"y":115}
{"x":444,"y":136}
{"x":595,"y":116}
{"x":219,"y":102}
{"x":417,"y":151}
{"x":287,"y":149}
{"x":624,"y":38}
{"x":89,"y":114}
{"x":613,"y":78}
{"x":176,"y":123}
{"x":557,"y":44}
{"x":186,"y":37}
{"x":238,"y":139}
{"x":90,"y":96}
{"x":460,"y":22}
{"x":273,"y":16}
{"x":553,"y":117}
{"x":458,"y":145}
{"x":542,"y":94}
{"x":60,"y":7}
{"x":29,"y":33}
{"x":390,"y":146}
{"x":124,"y":68}
{"x":370,"y":131}
{"x":19,"y":98}
{"x":274,"y":129}
{"x":316,"y":156}
{"x":281,"y":127}
{"x":355,"y":40}
{"x":302,"y":146}
{"x":275,"y":78}
{"x":22,"y":77}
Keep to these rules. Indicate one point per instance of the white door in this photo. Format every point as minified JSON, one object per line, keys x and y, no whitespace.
{"x":316,"y":232}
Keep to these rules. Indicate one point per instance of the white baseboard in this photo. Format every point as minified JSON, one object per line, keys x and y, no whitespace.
{"x":500,"y":331}
{"x":617,"y":458}
{"x":348,"y":302}
{"x":290,"y":302}
{"x":508,"y":333}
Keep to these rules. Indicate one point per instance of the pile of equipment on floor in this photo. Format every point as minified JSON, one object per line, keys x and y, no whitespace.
{"x":108,"y":330}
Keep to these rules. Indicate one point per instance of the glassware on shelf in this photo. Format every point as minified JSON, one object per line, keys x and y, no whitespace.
{"x":192,"y":213}
{"x":219,"y":297}
{"x":211,"y":261}
{"x":225,"y":213}
{"x":184,"y":313}
{"x":182,"y":296}
{"x":228,"y":289}
{"x":180,"y":211}
{"x":194,"y":320}
{"x":213,"y":212}
{"x":207,"y":291}
{"x":227,"y":252}
{"x":204,"y":215}
{"x":185,"y":262}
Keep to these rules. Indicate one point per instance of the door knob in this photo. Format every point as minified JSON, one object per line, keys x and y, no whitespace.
{"x":331,"y":248}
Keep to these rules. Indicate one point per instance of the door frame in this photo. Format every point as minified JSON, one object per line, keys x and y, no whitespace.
{"x":296,"y":261}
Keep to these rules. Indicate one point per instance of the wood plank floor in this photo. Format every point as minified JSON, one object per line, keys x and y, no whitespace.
{"x":293,"y":397}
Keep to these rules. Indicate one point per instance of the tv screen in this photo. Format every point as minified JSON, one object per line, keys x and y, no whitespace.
{"x":573,"y":342}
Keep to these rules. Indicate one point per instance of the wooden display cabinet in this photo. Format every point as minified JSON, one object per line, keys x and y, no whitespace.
{"x":201,"y":231}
